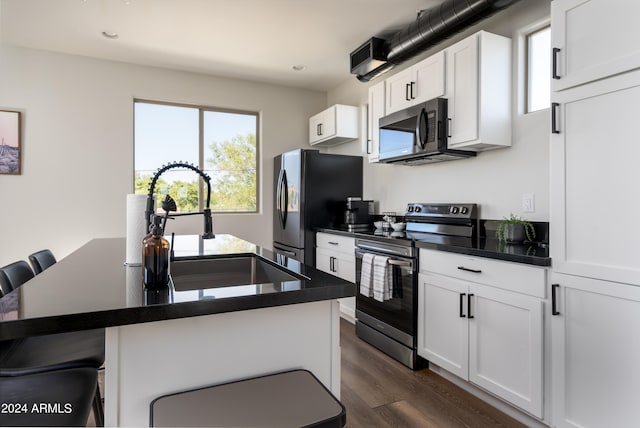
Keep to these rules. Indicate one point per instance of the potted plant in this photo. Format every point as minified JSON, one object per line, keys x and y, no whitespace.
{"x":515,"y":230}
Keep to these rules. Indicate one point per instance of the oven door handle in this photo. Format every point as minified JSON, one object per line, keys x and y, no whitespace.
{"x":395,"y":262}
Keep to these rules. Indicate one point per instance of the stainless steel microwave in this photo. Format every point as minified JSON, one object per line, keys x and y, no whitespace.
{"x":417,"y":135}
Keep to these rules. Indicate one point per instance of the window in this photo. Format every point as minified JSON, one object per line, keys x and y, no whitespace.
{"x":222,"y":143}
{"x":538,"y":69}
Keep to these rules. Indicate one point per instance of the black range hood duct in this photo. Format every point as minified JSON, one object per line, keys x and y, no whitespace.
{"x":430,"y":28}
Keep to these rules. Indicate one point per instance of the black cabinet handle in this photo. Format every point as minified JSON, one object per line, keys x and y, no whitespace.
{"x":469,"y":270}
{"x":411,"y":90}
{"x":554,"y":66}
{"x":469,"y":305}
{"x":554,"y":299}
{"x":554,"y":114}
{"x":462,"y":315}
{"x":406,"y":92}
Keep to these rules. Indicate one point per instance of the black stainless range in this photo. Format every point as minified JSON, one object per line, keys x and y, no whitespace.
{"x":389,"y":321}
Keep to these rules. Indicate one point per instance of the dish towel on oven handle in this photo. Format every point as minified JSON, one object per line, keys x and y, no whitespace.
{"x":366,"y":275}
{"x":382,"y":279}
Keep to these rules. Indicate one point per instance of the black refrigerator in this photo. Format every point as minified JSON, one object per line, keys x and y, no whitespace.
{"x":310,"y":190}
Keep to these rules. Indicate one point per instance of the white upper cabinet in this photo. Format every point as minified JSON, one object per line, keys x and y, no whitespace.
{"x":594,"y":175}
{"x":591,"y":40}
{"x":418,"y":83}
{"x":335,"y":125}
{"x":478,"y":89}
{"x":375,"y":111}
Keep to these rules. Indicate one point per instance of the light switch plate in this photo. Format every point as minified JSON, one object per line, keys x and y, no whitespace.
{"x":528,"y":203}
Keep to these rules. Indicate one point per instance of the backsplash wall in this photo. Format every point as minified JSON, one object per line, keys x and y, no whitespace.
{"x":495,"y":179}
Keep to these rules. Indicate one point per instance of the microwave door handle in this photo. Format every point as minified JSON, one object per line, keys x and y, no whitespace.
{"x":419,"y":137}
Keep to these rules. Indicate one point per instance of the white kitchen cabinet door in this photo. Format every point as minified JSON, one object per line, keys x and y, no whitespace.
{"x":335,"y":125}
{"x":594,"y":177}
{"x":479,"y":92}
{"x":443,"y":329}
{"x":505,"y":346}
{"x":593,"y":39}
{"x":323,"y":260}
{"x":375,"y":112}
{"x":419,"y":83}
{"x":398,"y":88}
{"x":595,"y":353}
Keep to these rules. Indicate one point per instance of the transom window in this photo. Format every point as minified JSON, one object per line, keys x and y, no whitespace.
{"x":222,"y":143}
{"x":538,"y":45}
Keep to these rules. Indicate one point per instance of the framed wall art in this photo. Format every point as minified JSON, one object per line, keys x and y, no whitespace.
{"x":10,"y":142}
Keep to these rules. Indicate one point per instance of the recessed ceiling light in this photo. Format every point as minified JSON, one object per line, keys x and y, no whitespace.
{"x":110,"y":34}
{"x":299,"y":67}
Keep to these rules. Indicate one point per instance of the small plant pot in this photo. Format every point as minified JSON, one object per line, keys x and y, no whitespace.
{"x":514,"y":233}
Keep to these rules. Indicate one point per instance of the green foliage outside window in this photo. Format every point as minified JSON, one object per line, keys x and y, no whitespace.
{"x":231,"y":164}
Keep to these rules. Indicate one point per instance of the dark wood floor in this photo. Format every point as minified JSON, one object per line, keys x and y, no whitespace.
{"x":377,"y":391}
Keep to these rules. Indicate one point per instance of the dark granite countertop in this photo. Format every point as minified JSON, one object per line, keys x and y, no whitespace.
{"x":533,"y":254}
{"x":91,"y":288}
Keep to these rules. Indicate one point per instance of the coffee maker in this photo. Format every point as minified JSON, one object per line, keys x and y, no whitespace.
{"x":358,"y":214}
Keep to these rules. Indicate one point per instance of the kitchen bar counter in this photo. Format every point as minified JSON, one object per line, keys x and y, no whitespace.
{"x":533,"y":254}
{"x":161,"y":342}
{"x":91,"y":288}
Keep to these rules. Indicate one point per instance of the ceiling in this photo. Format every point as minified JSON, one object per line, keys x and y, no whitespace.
{"x":257,"y":40}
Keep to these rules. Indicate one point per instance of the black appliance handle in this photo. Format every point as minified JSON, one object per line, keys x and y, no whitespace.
{"x":469,"y":296}
{"x":466,"y":269}
{"x":462,"y":315}
{"x":554,"y":66}
{"x":554,"y":113}
{"x":285,"y":193}
{"x":554,"y":300}
{"x":279,"y":195}
{"x":422,"y":117}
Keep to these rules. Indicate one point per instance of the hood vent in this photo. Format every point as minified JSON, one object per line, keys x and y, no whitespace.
{"x":430,"y":28}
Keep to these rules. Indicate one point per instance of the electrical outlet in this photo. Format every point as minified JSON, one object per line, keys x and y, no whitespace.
{"x":528,"y":203}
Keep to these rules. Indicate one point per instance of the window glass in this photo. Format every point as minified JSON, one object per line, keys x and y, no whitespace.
{"x":538,"y":69}
{"x":165,"y":133}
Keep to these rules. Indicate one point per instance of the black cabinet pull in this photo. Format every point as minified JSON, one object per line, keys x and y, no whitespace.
{"x":469,"y":270}
{"x":406,"y":92}
{"x":554,"y":121}
{"x":469,"y":305}
{"x":412,"y":84}
{"x":554,"y":66}
{"x":554,"y":299}
{"x":462,"y":315}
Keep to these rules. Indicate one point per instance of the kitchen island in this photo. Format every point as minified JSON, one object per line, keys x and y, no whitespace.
{"x":163,"y":341}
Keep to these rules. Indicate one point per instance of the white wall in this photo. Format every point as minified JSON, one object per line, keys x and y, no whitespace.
{"x":496,"y":179}
{"x":77,"y":146}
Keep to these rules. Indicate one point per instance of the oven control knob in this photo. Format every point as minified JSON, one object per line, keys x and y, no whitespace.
{"x":454,"y":210}
{"x":418,"y":208}
{"x":464,"y":210}
{"x":410,"y":209}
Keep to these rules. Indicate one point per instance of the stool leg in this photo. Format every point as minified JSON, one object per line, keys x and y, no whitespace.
{"x":98,"y":411}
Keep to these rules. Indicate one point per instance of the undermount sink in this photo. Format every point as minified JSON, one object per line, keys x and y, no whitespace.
{"x":203,"y":273}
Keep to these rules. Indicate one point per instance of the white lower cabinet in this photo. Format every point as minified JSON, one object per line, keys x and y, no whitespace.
{"x":487,"y":335}
{"x":595,"y":353}
{"x":335,"y":254}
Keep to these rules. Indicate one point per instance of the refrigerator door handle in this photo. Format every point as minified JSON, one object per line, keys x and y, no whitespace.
{"x":278,"y":195}
{"x":284,"y":199}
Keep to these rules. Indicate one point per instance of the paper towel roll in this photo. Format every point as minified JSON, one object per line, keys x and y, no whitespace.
{"x":136,"y":228}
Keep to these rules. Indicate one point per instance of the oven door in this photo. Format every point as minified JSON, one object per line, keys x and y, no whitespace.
{"x":399,"y":311}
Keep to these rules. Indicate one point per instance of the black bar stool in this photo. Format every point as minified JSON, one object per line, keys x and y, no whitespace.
{"x":53,"y":367}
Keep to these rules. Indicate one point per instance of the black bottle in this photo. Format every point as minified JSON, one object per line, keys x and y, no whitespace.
{"x":155,"y":257}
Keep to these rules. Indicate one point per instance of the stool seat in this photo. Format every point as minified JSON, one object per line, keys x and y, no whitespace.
{"x":290,"y":399}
